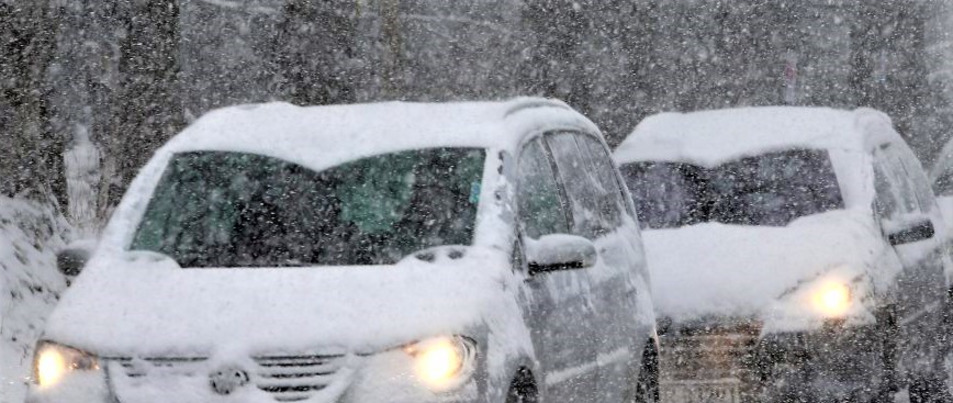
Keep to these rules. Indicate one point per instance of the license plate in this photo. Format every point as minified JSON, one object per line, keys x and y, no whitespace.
{"x":700,"y":391}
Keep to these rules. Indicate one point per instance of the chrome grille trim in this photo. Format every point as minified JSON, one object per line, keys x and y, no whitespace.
{"x":287,"y":378}
{"x":291,"y":378}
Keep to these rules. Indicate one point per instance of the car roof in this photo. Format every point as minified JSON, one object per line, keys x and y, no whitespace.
{"x":322,"y":136}
{"x":709,"y":138}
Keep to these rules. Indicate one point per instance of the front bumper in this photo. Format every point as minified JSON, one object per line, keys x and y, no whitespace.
{"x":835,"y":363}
{"x":340,"y":379}
{"x":733,"y":361}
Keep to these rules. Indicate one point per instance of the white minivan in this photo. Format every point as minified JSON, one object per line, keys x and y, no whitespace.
{"x":795,"y":253}
{"x":394,"y":252}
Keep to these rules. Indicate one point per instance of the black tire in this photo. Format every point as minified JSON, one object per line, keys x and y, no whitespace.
{"x":889,"y":332}
{"x":647,"y":385}
{"x":523,"y":388}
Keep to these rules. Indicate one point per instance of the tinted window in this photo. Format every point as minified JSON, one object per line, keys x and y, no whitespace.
{"x":220,"y":209}
{"x":771,"y":189}
{"x":595,"y":199}
{"x":666,"y":194}
{"x":541,"y":209}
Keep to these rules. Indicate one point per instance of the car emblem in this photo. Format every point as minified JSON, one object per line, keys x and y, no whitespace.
{"x":227,"y":380}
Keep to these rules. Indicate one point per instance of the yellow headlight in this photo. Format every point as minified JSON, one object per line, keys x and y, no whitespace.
{"x":52,"y":362}
{"x":440,"y":362}
{"x":50,"y":366}
{"x":833,"y":299}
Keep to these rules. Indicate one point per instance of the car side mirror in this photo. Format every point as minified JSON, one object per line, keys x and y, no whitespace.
{"x":910,"y":232}
{"x":70,"y":261}
{"x":559,"y":252}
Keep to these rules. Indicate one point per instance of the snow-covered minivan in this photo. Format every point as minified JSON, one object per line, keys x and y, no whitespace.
{"x":794,"y":253}
{"x":394,"y":252}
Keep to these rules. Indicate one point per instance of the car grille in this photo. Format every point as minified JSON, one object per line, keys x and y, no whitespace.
{"x":293,"y":378}
{"x":287,"y":378}
{"x":706,"y":362}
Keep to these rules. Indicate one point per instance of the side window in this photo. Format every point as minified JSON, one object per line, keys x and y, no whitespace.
{"x":606,"y":175}
{"x":594,"y":196}
{"x":541,"y":208}
{"x":886,"y":204}
{"x":916,"y":178}
{"x":890,"y":165}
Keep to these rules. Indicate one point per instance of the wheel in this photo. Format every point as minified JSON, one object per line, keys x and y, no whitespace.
{"x":889,"y":332}
{"x":647,"y":386}
{"x":523,"y":388}
{"x":938,"y":387}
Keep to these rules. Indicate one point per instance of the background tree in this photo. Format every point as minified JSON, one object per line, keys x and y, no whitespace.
{"x":311,"y":71}
{"x":30,"y":155}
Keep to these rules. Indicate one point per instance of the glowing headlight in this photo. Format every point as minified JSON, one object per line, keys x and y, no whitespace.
{"x":833,"y":299}
{"x":52,"y":362}
{"x":442,"y":363}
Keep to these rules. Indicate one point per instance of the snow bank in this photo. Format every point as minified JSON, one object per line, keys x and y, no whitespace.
{"x":30,"y":285}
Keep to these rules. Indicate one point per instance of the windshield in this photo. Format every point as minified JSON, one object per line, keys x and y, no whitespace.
{"x":225,"y":209}
{"x":771,"y":189}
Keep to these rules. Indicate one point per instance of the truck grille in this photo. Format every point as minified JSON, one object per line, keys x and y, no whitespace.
{"x":287,"y":378}
{"x":706,"y":362}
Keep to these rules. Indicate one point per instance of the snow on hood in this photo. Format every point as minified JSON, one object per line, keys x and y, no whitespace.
{"x":141,"y":305}
{"x":714,"y":269}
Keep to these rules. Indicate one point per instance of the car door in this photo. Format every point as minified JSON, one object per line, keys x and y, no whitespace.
{"x":921,"y":285}
{"x":600,"y":215}
{"x":559,"y":303}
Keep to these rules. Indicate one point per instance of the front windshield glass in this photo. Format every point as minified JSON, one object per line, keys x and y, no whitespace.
{"x":771,"y":189}
{"x":226,"y":209}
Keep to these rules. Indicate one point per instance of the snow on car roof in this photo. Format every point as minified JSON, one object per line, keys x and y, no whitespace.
{"x":329,"y":135}
{"x":709,"y":138}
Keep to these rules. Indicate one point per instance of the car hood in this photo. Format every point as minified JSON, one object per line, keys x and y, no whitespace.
{"x":144,"y":304}
{"x":717,"y":270}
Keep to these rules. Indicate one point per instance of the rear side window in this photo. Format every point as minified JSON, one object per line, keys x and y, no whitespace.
{"x":590,"y":182}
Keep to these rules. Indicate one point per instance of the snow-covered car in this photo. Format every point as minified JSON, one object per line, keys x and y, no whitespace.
{"x":794,"y":254}
{"x":395,"y":252}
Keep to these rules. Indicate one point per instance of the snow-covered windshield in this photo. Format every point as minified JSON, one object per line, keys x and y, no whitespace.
{"x":770,"y":189}
{"x":227,"y":209}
